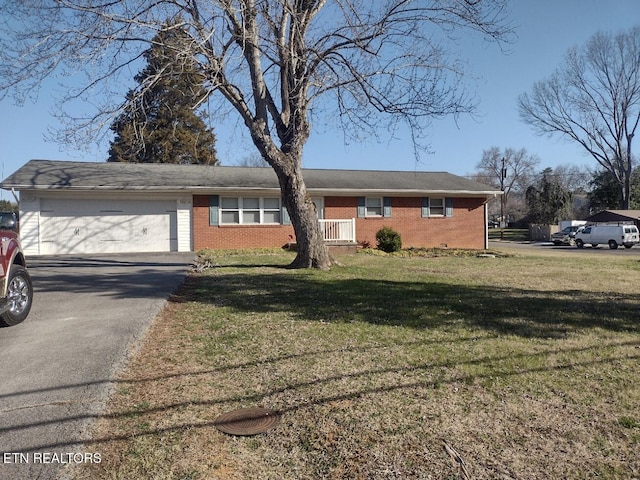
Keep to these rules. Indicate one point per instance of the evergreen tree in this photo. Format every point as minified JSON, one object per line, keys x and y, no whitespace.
{"x":605,"y":191}
{"x":159,"y":124}
{"x":8,"y":206}
{"x":549,"y":201}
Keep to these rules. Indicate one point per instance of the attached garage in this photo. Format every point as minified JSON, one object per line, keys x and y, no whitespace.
{"x":88,"y":208}
{"x":107,"y":226}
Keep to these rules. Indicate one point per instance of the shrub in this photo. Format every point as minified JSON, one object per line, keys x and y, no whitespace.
{"x":388,"y":240}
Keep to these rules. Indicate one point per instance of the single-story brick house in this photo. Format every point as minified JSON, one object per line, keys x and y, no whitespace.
{"x":84,"y":207}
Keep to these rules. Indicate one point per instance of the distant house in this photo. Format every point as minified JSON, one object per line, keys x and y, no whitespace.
{"x":626,"y":216}
{"x":82,"y":207}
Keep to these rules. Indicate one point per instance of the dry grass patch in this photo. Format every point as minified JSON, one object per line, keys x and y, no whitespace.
{"x":377,"y":363}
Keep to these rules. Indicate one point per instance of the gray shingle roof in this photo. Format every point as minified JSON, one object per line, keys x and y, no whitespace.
{"x":617,"y":214}
{"x":50,"y":174}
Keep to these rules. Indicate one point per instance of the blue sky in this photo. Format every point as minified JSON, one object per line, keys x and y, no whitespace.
{"x":545,"y":30}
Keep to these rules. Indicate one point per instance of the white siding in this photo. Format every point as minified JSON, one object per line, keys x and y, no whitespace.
{"x":30,"y":223}
{"x":184,"y":214}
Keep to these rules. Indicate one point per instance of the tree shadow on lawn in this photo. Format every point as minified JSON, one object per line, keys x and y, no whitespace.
{"x":421,"y":305}
{"x":410,"y":304}
{"x":253,"y":397}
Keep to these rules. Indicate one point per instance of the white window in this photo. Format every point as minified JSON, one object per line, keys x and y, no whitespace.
{"x":271,"y":210}
{"x":249,"y":210}
{"x":436,"y":207}
{"x":373,"y":206}
{"x":230,"y":210}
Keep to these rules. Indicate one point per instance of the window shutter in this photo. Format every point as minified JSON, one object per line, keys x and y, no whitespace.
{"x":214,"y":208}
{"x":448,"y":207}
{"x":284,"y":213}
{"x":362,"y":210}
{"x":425,"y":206}
{"x":386,"y":208}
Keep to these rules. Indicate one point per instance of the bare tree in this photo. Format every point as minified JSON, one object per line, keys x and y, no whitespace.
{"x":575,"y":178}
{"x":373,"y":64}
{"x":253,"y":160}
{"x":593,"y":98}
{"x":509,"y":170}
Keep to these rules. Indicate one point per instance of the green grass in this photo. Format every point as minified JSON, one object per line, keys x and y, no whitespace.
{"x":523,"y":368}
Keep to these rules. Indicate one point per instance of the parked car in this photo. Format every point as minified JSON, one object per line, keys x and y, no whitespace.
{"x":566,"y":236}
{"x":8,"y":221}
{"x":16,"y":289}
{"x":612,"y":235}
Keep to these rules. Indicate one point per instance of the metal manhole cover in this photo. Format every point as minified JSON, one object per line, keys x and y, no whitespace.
{"x":247,"y":421}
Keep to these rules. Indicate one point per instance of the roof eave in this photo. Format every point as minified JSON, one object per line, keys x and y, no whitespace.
{"x":208,"y":188}
{"x":404,"y":192}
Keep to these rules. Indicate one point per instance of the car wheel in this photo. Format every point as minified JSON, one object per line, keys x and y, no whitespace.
{"x":613,"y":244}
{"x":579,"y":243}
{"x":19,"y":296}
{"x":628,"y":246}
{"x":594,"y":245}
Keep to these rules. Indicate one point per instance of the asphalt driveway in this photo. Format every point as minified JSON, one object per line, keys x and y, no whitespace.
{"x":57,"y":367}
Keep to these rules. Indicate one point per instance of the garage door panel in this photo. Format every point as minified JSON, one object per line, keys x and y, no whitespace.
{"x":76,"y":226}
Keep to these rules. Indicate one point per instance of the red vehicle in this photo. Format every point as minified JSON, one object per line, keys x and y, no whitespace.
{"x":16,"y":290}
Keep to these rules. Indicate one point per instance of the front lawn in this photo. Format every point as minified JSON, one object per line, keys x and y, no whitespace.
{"x":387,"y":367}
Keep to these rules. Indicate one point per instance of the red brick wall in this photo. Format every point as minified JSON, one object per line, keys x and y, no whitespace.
{"x":464,"y":230}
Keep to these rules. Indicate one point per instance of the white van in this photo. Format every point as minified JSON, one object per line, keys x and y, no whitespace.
{"x":612,"y":235}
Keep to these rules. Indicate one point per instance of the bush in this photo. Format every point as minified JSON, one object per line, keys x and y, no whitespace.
{"x":388,"y":240}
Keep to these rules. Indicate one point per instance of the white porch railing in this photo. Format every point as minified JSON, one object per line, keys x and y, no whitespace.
{"x":339,"y":230}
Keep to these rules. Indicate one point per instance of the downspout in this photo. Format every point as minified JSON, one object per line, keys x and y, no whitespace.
{"x":485,"y":205}
{"x":486,"y":224}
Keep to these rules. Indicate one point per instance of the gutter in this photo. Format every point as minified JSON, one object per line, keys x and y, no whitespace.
{"x":209,"y":188}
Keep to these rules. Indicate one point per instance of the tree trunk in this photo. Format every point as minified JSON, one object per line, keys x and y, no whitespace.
{"x":628,"y":169}
{"x":626,"y":192}
{"x":311,"y":249}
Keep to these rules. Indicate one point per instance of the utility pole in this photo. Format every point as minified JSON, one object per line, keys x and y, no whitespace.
{"x":503,"y":176}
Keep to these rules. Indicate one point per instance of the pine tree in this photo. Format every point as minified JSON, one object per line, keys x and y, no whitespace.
{"x":605,"y":191}
{"x":549,"y":201}
{"x":159,"y":124}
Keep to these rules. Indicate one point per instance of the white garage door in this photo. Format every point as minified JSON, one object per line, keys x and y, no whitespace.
{"x":107,"y":226}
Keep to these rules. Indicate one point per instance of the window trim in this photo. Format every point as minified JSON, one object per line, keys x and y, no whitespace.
{"x":272,"y":210}
{"x":439,"y":207}
{"x":384,"y":207}
{"x":367,"y":207}
{"x":447,"y":207}
{"x":241,"y":210}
